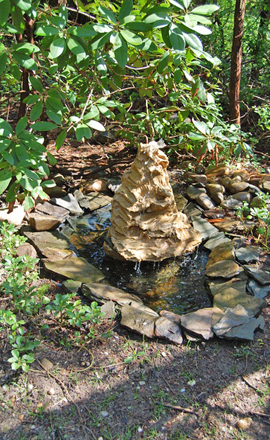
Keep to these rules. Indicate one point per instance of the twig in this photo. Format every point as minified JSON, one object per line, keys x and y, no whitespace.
{"x":251,"y":386}
{"x":178,"y":408}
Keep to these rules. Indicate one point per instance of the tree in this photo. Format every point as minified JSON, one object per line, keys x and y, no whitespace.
{"x":236,"y":59}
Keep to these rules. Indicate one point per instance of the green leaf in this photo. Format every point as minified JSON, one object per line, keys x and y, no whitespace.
{"x":202,"y":30}
{"x":57,"y":47}
{"x":96,"y":125}
{"x":76,"y":48}
{"x":5,"y":178}
{"x":193,"y":41}
{"x":63,"y":14}
{"x":21,"y":153}
{"x":103,"y":28}
{"x":131,"y":38}
{"x":100,"y":63}
{"x":24,"y":5}
{"x":25,"y":60}
{"x":139,"y":26}
{"x":51,"y":158}
{"x":46,"y":31}
{"x":176,"y":38}
{"x":36,"y":111}
{"x":186,"y":3}
{"x":21,"y":125}
{"x":205,"y":9}
{"x":83,"y":131}
{"x":4,"y":143}
{"x":36,"y":84}
{"x":26,"y":48}
{"x":5,"y":128}
{"x":5,"y":10}
{"x":100,"y":41}
{"x":12,"y":191}
{"x":93,"y":114}
{"x":3,"y":62}
{"x":121,"y":54}
{"x":18,"y":19}
{"x":108,"y":14}
{"x":201,"y":126}
{"x":31,"y":99}
{"x":163,"y":63}
{"x":55,"y":116}
{"x":177,"y":4}
{"x":105,"y":111}
{"x":126,"y":9}
{"x":85,"y":31}
{"x":9,"y":157}
{"x":43,"y":126}
{"x":28,"y":204}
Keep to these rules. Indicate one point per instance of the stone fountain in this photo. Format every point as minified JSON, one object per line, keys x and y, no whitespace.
{"x":145,"y":222}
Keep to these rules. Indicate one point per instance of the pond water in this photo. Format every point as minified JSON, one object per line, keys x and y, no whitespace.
{"x":176,"y":284}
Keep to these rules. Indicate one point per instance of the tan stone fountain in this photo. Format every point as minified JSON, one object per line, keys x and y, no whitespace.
{"x":145,"y":222}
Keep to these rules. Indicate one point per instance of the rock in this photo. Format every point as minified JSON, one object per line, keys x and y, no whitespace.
{"x":69,"y":202}
{"x":257,"y":290}
{"x":243,"y":196}
{"x":45,"y":239}
{"x":244,"y":424}
{"x":16,"y":216}
{"x":47,"y":365}
{"x":216,"y":240}
{"x":26,"y":249}
{"x":40,"y":222}
{"x":205,"y":202}
{"x":224,"y":251}
{"x":55,"y":191}
{"x":248,"y":254}
{"x":237,"y":186}
{"x":181,"y":201}
{"x":171,"y":316}
{"x":198,"y":324}
{"x":259,"y":275}
{"x":219,"y":287}
{"x":71,"y":286}
{"x":192,"y":210}
{"x":193,"y":192}
{"x":236,"y":323}
{"x":94,"y":186}
{"x":231,"y":298}
{"x":231,"y":203}
{"x":217,"y":170}
{"x":145,"y":222}
{"x":57,"y":254}
{"x":204,"y":227}
{"x":243,"y":174}
{"x":96,"y":201}
{"x":223,"y":269}
{"x":265,"y":185}
{"x":214,"y":213}
{"x":108,"y":310}
{"x":165,"y":328}
{"x":75,"y":268}
{"x":51,"y":391}
{"x":257,"y":202}
{"x":52,"y":210}
{"x":114,"y":185}
{"x":138,"y":321}
{"x":214,"y":188}
{"x":228,"y":225}
{"x":225,"y":181}
{"x":81,"y":199}
{"x":190,"y":177}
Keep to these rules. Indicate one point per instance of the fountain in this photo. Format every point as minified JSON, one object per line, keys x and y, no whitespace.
{"x":145,"y":222}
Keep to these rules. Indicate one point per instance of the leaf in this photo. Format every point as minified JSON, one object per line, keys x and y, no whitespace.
{"x":31,"y":99}
{"x":46,"y":31}
{"x":26,"y":48}
{"x":5,"y":178}
{"x":201,"y":126}
{"x":100,"y":63}
{"x":21,"y":153}
{"x":36,"y":111}
{"x":28,"y":204}
{"x":18,"y":19}
{"x":202,"y":30}
{"x":139,"y":26}
{"x":55,"y":116}
{"x":4,"y":144}
{"x":176,"y":38}
{"x":177,"y":4}
{"x":76,"y":48}
{"x":96,"y":125}
{"x":205,"y":9}
{"x":25,"y":60}
{"x":85,"y":31}
{"x":121,"y":54}
{"x":51,"y":158}
{"x":131,"y":38}
{"x":103,"y":28}
{"x":5,"y":128}
{"x":94,"y":113}
{"x":9,"y":157}
{"x":186,"y":3}
{"x":100,"y":41}
{"x":83,"y":131}
{"x":193,"y":41}
{"x":57,"y":47}
{"x":5,"y":9}
{"x":3,"y":62}
{"x":126,"y":9}
{"x":163,"y":62}
{"x":105,"y":111}
{"x":21,"y":125}
{"x":36,"y":84}
{"x":52,"y":102}
{"x":107,"y":13}
{"x":43,"y":126}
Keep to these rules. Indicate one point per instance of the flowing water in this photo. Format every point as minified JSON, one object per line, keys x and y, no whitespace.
{"x":176,"y":285}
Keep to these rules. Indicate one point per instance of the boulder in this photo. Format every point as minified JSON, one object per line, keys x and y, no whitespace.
{"x":145,"y":222}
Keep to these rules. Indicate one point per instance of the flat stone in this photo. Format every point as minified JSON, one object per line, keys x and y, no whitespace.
{"x":193,"y":192}
{"x":265,"y":185}
{"x":57,"y":254}
{"x":45,"y":239}
{"x":75,"y":268}
{"x":223,"y":269}
{"x":69,"y":202}
{"x":217,"y":170}
{"x":257,"y":290}
{"x":165,"y":328}
{"x":248,"y":254}
{"x":26,"y":249}
{"x":259,"y":275}
{"x":231,"y":203}
{"x":138,"y":321}
{"x":216,"y":240}
{"x":181,"y":201}
{"x":108,"y":310}
{"x":96,"y":201}
{"x":96,"y":185}
{"x":204,"y":227}
{"x":224,"y":251}
{"x":190,"y":177}
{"x":192,"y":210}
{"x":220,"y":287}
{"x":81,"y":199}
{"x":199,"y":323}
{"x":231,"y":298}
{"x":205,"y":202}
{"x":72,"y":286}
{"x":40,"y":222}
{"x":228,"y":225}
{"x":53,"y":210}
{"x":171,"y":316}
{"x":16,"y":216}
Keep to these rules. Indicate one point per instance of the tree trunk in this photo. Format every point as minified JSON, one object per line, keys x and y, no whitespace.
{"x":235,"y":79}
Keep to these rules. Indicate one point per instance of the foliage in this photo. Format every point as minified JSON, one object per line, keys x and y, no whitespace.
{"x":26,"y":302}
{"x":135,"y":64}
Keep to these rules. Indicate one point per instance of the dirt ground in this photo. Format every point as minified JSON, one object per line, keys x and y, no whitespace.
{"x":124,"y":387}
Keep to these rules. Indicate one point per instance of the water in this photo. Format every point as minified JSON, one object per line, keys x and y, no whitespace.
{"x":176,"y":284}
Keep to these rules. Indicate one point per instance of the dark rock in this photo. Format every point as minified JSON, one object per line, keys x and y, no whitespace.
{"x":259,"y":275}
{"x":138,"y":321}
{"x":223,"y":269}
{"x":53,"y":210}
{"x":165,"y":328}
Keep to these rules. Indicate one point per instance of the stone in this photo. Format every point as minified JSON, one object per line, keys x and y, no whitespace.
{"x":108,"y":310}
{"x":259,"y":275}
{"x":75,"y":268}
{"x":46,"y":239}
{"x":57,"y":254}
{"x":236,"y":323}
{"x":204,"y":227}
{"x":181,"y":201}
{"x":244,"y":423}
{"x":193,"y":192}
{"x":47,"y":365}
{"x":72,"y":286}
{"x":198,"y":324}
{"x":219,"y":287}
{"x":214,"y":214}
{"x":224,"y":251}
{"x":96,"y":185}
{"x":265,"y":186}
{"x":96,"y":201}
{"x":223,"y":269}
{"x":55,"y":191}
{"x":228,"y":225}
{"x":69,"y":202}
{"x":257,"y":289}
{"x":217,"y":170}
{"x":248,"y":254}
{"x":216,"y":240}
{"x":243,"y":174}
{"x":145,"y":222}
{"x":171,"y":316}
{"x":231,"y":298}
{"x":138,"y":321}
{"x":165,"y":328}
{"x":16,"y":216}
{"x":192,"y":210}
{"x":231,"y":203}
{"x":190,"y":177}
{"x":53,"y":210}
{"x":26,"y":249}
{"x":205,"y":202}
{"x":243,"y":196}
{"x":214,"y":188}
{"x":237,"y":186}
{"x":40,"y":222}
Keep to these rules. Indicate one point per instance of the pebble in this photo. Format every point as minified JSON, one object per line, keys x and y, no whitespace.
{"x":51,"y":391}
{"x":104,"y":413}
{"x":244,"y":423}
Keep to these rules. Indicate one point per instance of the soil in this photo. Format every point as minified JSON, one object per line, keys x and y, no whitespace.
{"x":124,"y":387}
